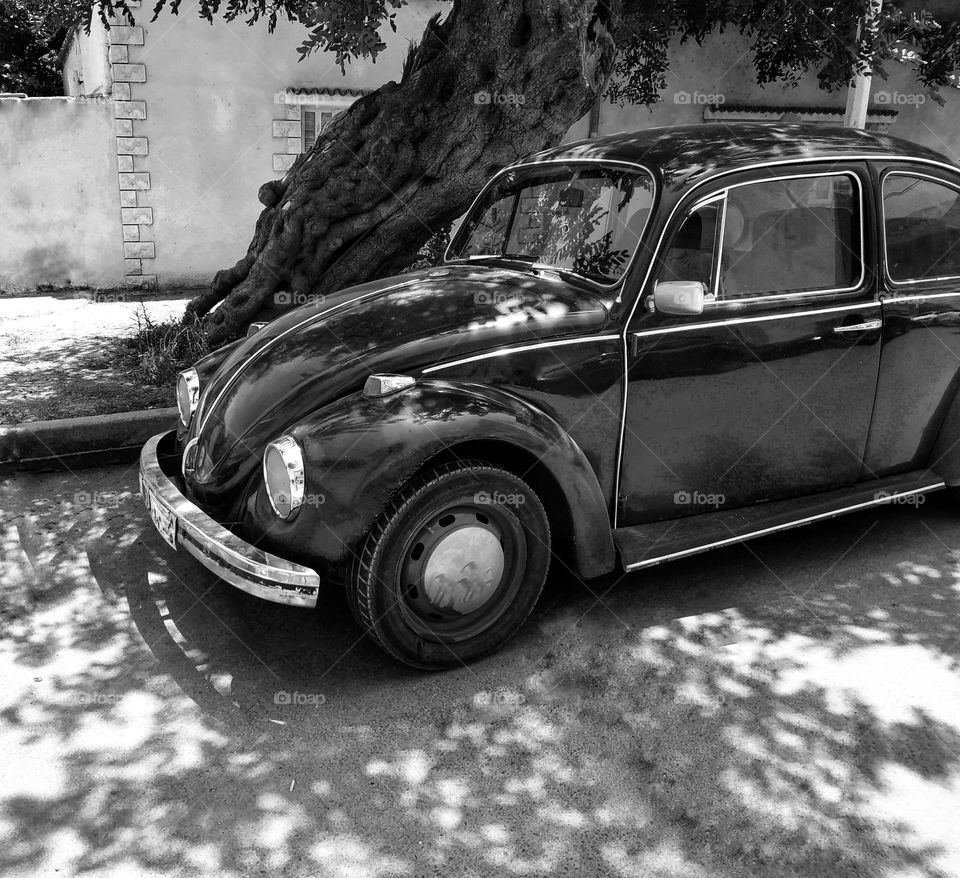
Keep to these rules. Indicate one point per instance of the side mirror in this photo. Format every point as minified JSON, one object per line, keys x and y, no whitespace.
{"x":683,"y":297}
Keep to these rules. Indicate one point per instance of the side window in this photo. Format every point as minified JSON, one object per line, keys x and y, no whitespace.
{"x":792,"y":236}
{"x":690,"y":256}
{"x":922,"y":228}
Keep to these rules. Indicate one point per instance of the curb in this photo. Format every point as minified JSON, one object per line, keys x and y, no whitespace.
{"x":79,"y":442}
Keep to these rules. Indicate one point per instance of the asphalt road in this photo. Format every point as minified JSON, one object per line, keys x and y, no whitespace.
{"x":789,"y":707}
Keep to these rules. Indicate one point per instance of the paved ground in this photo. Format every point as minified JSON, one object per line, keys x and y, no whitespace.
{"x":791,"y":708}
{"x":47,"y":344}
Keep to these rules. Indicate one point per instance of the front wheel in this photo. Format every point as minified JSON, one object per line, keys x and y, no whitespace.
{"x":453,"y":566}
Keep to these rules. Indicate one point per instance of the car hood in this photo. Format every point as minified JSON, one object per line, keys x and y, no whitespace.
{"x":327,"y":348}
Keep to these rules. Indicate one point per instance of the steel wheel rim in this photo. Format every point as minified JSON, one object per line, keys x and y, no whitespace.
{"x":462,"y":548}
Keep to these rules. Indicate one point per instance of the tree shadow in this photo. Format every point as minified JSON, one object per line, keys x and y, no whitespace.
{"x":790,"y":707}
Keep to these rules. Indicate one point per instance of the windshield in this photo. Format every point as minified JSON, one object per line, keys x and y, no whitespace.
{"x":587,"y":220}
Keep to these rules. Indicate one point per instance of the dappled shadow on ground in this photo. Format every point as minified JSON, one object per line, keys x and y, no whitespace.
{"x":791,"y":708}
{"x":56,"y":381}
{"x":57,"y":357}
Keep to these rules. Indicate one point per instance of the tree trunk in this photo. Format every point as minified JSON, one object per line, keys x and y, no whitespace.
{"x":495,"y":80}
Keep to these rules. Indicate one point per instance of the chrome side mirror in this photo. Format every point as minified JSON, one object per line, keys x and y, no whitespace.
{"x":682,"y":297}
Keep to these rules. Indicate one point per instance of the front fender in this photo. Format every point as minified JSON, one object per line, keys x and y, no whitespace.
{"x":359,"y":452}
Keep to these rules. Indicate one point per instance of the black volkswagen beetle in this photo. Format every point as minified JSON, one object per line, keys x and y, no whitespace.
{"x":638,"y":348}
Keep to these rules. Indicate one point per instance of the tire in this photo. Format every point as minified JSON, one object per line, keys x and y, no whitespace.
{"x":469,"y":519}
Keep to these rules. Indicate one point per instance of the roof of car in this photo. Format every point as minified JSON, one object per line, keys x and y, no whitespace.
{"x":685,"y":154}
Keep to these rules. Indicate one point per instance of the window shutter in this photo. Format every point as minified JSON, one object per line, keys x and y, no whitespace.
{"x":309,"y":129}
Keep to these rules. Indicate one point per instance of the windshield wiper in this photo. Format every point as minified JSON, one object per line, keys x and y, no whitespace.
{"x":534,"y":262}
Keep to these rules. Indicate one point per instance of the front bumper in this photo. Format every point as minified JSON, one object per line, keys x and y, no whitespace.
{"x":241,"y":564}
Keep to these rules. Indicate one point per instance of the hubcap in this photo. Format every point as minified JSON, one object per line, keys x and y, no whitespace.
{"x":464,"y":569}
{"x":460,"y":570}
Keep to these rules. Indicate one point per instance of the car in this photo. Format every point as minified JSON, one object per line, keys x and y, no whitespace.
{"x":637,"y":348}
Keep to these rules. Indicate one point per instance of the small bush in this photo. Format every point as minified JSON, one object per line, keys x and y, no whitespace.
{"x":156,"y":352}
{"x":431,"y":253}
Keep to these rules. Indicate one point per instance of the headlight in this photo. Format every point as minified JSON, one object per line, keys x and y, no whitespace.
{"x":283,"y":476}
{"x":188,"y":395}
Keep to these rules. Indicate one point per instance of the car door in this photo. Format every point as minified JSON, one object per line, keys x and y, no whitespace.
{"x":920,"y":284}
{"x":767,"y":393}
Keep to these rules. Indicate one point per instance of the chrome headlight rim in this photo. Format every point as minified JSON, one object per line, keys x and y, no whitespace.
{"x":188,"y":381}
{"x":291,"y":455}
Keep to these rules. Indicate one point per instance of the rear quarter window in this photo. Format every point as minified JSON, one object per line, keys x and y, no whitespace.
{"x":921,"y":220}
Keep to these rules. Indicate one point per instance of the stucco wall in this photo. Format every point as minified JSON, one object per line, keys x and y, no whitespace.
{"x":59,"y":215}
{"x":210,"y":96}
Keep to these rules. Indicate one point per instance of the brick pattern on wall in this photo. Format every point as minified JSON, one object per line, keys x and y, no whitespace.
{"x":130,"y":112}
{"x":287,"y":138}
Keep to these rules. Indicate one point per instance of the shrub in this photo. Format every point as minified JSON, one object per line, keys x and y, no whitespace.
{"x":157,"y":351}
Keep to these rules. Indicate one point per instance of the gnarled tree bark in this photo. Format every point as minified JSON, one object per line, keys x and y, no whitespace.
{"x":494,"y":80}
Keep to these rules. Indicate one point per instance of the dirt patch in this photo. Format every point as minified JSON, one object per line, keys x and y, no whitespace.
{"x":57,"y":357}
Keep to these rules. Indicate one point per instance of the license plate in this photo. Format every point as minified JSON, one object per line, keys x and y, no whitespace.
{"x":163,"y":518}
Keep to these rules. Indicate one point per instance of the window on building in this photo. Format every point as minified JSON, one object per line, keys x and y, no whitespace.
{"x":315,"y":120}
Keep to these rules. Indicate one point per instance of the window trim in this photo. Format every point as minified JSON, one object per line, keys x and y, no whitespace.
{"x":890,"y":172}
{"x":717,"y":238}
{"x":723,"y":304}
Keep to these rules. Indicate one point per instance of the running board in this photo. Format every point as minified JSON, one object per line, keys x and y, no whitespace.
{"x":647,"y":545}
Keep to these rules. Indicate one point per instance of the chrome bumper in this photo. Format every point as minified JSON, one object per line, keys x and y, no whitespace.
{"x":245,"y":566}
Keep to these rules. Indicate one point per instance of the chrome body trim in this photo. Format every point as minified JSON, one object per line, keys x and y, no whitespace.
{"x":791,"y":162}
{"x":917,"y":297}
{"x":712,"y":324}
{"x":244,"y":566}
{"x":208,"y":409}
{"x":858,"y":327}
{"x":740,"y":538}
{"x":883,"y":227}
{"x":603,"y":163}
{"x":502,"y":352}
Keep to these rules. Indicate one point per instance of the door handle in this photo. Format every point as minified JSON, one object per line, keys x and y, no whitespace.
{"x":858,"y":327}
